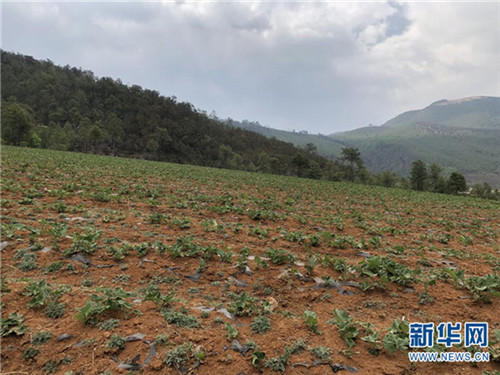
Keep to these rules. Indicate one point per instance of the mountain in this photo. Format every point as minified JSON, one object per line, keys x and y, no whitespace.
{"x":462,"y":134}
{"x":325,"y":145}
{"x":66,"y":108}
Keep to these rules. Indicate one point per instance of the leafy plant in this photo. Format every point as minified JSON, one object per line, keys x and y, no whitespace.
{"x":280,"y":256}
{"x":109,"y":299}
{"x":484,"y":287}
{"x":260,"y":324}
{"x":347,"y":329}
{"x":109,"y":325}
{"x":311,"y":262}
{"x":30,"y":353}
{"x":153,"y":293}
{"x":298,"y":346}
{"x":179,"y":355}
{"x":258,"y":358}
{"x":372,"y":337}
{"x":311,"y":320}
{"x":27,"y":258}
{"x":397,"y":337}
{"x":244,"y":305}
{"x":40,"y":291}
{"x":494,"y":346}
{"x":322,"y":352}
{"x":279,"y":363}
{"x":387,"y":270}
{"x":231,"y":331}
{"x":13,"y":325}
{"x":84,"y":242}
{"x":116,"y":342}
{"x":41,"y":337}
{"x":180,"y":319}
{"x":54,"y":309}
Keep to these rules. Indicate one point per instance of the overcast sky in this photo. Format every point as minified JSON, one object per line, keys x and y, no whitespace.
{"x":322,"y":67}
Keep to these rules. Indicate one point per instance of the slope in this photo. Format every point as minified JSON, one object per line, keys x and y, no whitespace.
{"x":325,"y":145}
{"x":461,"y":134}
{"x":67,"y":108}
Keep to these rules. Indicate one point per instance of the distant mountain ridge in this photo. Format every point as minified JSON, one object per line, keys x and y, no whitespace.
{"x":326,"y":146}
{"x":461,"y":134}
{"x":70,"y":109}
{"x":477,"y":112}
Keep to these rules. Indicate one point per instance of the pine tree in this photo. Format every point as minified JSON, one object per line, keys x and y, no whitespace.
{"x":418,"y":175}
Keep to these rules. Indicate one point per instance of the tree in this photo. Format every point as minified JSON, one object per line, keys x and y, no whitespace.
{"x":311,"y":148}
{"x":301,"y":162}
{"x":436,"y":181}
{"x":353,"y":157}
{"x":386,"y":178}
{"x":418,"y":175}
{"x":17,"y":125}
{"x":333,"y":171}
{"x":314,"y":170}
{"x":456,"y":183}
{"x":263,"y":163}
{"x":482,"y":191}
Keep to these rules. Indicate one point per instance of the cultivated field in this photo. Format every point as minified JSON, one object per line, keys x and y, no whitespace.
{"x":114,"y":266}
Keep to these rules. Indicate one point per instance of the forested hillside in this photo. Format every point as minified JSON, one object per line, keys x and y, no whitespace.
{"x":325,"y":145}
{"x":66,"y":108}
{"x":461,"y":135}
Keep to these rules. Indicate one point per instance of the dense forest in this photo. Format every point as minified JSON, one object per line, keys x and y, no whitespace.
{"x":66,"y":108}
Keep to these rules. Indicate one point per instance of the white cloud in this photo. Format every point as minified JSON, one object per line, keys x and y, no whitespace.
{"x":317,"y":66}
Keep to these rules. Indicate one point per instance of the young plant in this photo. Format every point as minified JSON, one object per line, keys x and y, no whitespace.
{"x":109,"y":299}
{"x":346,"y":327}
{"x":13,"y":325}
{"x":116,"y":342}
{"x":322,"y":352}
{"x":311,"y":320}
{"x":153,"y":293}
{"x":484,"y":288}
{"x":179,"y":355}
{"x":397,"y":337}
{"x":244,"y":305}
{"x":180,"y":319}
{"x":279,"y":363}
{"x":260,"y":324}
{"x":84,"y":242}
{"x":231,"y":331}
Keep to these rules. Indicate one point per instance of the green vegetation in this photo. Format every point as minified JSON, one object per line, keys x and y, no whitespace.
{"x":461,"y":136}
{"x":13,"y":325}
{"x":311,"y":320}
{"x":181,"y":319}
{"x":108,"y":299}
{"x":397,"y":337}
{"x":347,"y":329}
{"x":64,"y":108}
{"x":260,"y":324}
{"x":289,"y":250}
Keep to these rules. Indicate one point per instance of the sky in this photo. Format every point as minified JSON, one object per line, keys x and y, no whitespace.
{"x":323,"y":67}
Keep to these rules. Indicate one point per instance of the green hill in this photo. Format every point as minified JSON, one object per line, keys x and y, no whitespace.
{"x":325,"y":145}
{"x":461,"y":135}
{"x":65,"y":108}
